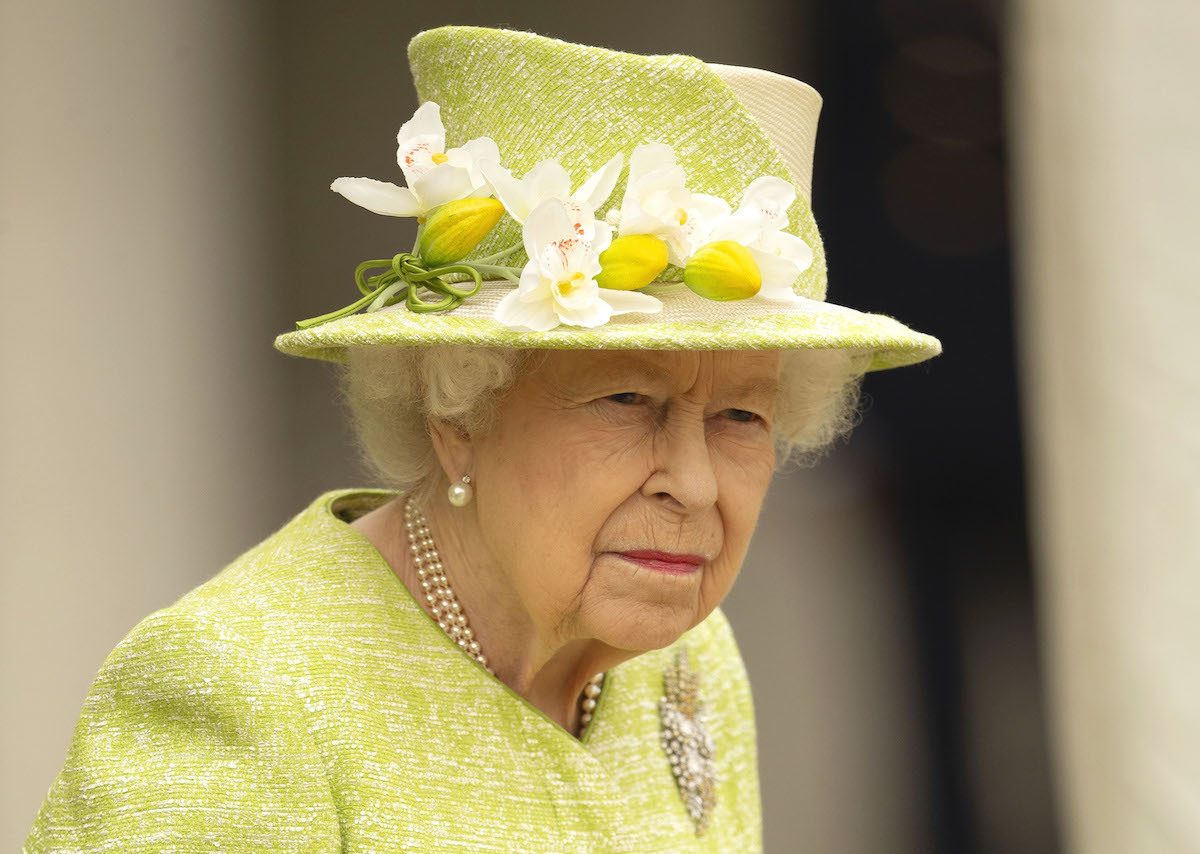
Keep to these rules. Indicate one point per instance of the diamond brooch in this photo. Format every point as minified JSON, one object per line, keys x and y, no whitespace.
{"x":687,"y":743}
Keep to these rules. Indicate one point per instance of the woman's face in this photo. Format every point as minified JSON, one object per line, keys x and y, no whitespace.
{"x":599,"y":460}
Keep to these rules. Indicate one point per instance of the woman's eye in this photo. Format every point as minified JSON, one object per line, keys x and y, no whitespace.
{"x":743,"y":415}
{"x":626,"y":397}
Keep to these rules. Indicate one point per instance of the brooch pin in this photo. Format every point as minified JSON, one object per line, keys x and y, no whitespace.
{"x":687,"y":742}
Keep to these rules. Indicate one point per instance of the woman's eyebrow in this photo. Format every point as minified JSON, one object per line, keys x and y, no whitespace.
{"x":654,"y":374}
{"x":766,"y":386}
{"x":637,"y":369}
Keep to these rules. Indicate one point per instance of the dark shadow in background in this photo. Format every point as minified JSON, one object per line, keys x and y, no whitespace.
{"x":910,"y":188}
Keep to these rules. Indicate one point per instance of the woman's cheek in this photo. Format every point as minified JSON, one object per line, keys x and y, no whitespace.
{"x":744,"y":468}
{"x":747,"y":446}
{"x":743,"y":486}
{"x":608,"y":465}
{"x":719,"y":579}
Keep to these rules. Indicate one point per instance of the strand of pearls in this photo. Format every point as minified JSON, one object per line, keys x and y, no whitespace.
{"x":587,"y":705}
{"x":447,"y":610}
{"x":438,"y":592}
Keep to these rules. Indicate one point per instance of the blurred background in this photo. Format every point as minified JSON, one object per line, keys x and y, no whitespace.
{"x":971,"y":629}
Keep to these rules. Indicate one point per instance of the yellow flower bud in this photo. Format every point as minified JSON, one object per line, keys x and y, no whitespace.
{"x":631,"y":262}
{"x":455,"y":228}
{"x":723,"y":270}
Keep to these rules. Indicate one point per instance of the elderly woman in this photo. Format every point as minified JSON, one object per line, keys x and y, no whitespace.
{"x":517,"y":646}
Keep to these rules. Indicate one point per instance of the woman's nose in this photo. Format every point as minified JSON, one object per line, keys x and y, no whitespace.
{"x":683,"y":466}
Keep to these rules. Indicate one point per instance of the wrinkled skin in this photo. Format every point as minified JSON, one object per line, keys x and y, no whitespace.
{"x":593,"y":453}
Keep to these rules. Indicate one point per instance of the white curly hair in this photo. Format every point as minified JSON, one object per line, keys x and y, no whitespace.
{"x":393,"y":392}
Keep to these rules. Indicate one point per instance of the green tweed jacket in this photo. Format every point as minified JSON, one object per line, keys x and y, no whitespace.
{"x":302,"y":701}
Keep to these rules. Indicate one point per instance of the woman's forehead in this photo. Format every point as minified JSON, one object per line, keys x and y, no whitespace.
{"x":674,"y":368}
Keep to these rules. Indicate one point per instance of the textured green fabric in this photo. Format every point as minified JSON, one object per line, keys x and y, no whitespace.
{"x":892,"y":344}
{"x":301,"y":701}
{"x":539,"y":97}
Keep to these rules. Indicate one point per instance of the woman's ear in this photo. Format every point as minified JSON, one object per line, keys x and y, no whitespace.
{"x":453,"y":447}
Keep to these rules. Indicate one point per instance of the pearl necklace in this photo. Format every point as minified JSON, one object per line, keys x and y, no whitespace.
{"x":448,"y":612}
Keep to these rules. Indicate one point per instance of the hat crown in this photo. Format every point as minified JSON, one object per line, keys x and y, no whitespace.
{"x":787,"y":111}
{"x":540,"y":98}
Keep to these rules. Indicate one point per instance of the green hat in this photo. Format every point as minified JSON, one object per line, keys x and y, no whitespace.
{"x":574,"y":197}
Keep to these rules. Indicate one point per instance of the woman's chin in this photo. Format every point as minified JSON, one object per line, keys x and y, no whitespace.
{"x":637,"y":610}
{"x":644,"y":628}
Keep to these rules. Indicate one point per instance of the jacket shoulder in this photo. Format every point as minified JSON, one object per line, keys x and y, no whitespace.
{"x":288,"y":586}
{"x":187,"y":740}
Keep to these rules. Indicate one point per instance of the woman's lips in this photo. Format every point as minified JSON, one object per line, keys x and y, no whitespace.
{"x":678,"y":564}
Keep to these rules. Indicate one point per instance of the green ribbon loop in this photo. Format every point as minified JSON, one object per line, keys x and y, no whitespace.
{"x":403,"y":278}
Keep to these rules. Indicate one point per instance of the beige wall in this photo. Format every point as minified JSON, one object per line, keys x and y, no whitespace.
{"x":139,"y":410}
{"x":171,"y":160}
{"x":1107,"y":133}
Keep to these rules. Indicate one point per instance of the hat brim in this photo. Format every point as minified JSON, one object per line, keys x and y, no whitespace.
{"x":687,"y":322}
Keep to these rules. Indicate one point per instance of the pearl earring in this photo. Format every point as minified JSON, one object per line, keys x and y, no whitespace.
{"x":460,"y":494}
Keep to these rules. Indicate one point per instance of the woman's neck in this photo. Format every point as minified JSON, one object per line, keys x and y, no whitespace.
{"x":548,"y":671}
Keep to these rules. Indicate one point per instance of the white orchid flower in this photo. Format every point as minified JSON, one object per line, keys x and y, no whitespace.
{"x":434,"y":176}
{"x":758,"y":225}
{"x":549,"y":180}
{"x":658,"y":202}
{"x":558,"y":285}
